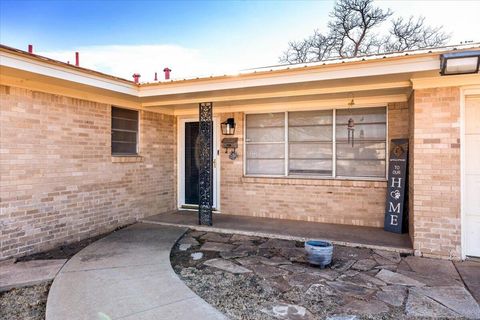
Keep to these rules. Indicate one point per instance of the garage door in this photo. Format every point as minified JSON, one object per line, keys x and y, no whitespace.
{"x":472,"y":176}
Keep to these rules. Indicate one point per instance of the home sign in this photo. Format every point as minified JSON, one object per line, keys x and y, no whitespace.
{"x":396,"y":206}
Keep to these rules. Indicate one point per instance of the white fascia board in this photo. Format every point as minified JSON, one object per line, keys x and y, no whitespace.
{"x":58,"y":72}
{"x":328,"y":73}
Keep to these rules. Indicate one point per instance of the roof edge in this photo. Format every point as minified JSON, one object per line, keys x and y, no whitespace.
{"x":249,"y":74}
{"x":41,"y":58}
{"x":323,"y":64}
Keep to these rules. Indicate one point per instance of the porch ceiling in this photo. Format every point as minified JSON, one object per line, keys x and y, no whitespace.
{"x":366,"y":90}
{"x":304,"y":102}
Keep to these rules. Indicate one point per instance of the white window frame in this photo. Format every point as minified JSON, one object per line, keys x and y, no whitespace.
{"x":334,"y":160}
{"x":137,"y":146}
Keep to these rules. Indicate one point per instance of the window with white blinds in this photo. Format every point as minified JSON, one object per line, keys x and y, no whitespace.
{"x":315,"y":143}
{"x":124,"y":131}
{"x":265,"y":144}
{"x":367,"y":156}
{"x":310,"y":143}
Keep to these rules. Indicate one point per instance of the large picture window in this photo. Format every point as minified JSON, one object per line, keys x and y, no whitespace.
{"x":124,"y":131}
{"x":315,"y":143}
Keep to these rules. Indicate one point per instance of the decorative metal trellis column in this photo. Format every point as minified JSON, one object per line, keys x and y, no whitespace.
{"x":205,"y":181}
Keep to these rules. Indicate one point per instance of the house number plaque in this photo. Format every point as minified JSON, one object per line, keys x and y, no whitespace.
{"x":396,"y":207}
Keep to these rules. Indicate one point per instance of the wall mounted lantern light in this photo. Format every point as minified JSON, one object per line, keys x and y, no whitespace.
{"x":455,"y":63}
{"x":228,"y":127}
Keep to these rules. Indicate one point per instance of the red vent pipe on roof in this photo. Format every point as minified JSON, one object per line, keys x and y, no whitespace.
{"x":77,"y":59}
{"x":136,"y":78}
{"x":30,"y":48}
{"x":167,"y":73}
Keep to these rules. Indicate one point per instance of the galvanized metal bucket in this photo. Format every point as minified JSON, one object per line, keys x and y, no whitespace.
{"x":319,"y":252}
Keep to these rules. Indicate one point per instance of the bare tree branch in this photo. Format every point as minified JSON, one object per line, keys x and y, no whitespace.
{"x":352,"y":23}
{"x":413,"y":34}
{"x":354,"y":30}
{"x":297,"y":52}
{"x":320,"y":47}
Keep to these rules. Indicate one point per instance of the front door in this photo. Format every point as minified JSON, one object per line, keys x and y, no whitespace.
{"x":471,"y":200}
{"x":191,"y":163}
{"x":189,"y":173}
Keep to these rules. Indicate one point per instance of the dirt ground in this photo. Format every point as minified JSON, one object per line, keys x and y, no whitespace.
{"x":24,"y":303}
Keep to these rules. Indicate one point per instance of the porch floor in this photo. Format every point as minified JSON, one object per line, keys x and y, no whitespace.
{"x":368,"y":237}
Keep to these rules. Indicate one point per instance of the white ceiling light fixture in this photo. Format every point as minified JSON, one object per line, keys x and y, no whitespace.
{"x":456,"y":63}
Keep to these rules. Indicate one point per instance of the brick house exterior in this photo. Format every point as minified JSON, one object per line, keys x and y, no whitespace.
{"x":59,"y":181}
{"x":341,"y":201}
{"x":436,"y":171}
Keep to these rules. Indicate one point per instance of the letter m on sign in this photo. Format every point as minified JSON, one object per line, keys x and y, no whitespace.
{"x":394,"y":208}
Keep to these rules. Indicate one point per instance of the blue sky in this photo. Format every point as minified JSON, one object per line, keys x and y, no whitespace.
{"x":193,"y":38}
{"x":63,"y":24}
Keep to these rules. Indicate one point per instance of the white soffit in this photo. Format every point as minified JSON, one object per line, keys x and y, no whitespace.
{"x":59,"y":72}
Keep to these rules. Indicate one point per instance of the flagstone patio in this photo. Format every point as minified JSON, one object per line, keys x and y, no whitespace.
{"x":250,"y":277}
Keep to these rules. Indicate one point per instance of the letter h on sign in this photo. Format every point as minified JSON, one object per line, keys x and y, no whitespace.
{"x":396,"y":208}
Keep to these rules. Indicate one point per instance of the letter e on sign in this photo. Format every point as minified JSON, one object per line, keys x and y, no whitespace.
{"x":394,"y":221}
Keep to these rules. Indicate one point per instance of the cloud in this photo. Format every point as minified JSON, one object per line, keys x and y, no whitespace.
{"x":125,"y":60}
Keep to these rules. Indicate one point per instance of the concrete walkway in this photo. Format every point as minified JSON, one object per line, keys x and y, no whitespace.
{"x":126,"y":275}
{"x":470,"y":273}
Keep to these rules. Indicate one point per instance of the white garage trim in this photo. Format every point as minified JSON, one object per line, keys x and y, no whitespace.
{"x":464,"y":92}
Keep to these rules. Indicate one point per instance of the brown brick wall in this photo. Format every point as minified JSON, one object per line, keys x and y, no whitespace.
{"x":398,"y":120}
{"x":58,"y":182}
{"x":436,"y":172}
{"x":329,"y":201}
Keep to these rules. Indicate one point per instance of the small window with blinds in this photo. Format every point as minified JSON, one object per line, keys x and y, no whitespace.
{"x":124,"y":132}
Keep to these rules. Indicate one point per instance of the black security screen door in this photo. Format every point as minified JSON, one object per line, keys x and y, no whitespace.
{"x":191,"y":162}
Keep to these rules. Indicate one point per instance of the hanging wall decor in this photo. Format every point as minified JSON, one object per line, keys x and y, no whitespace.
{"x":351,"y":125}
{"x":230,"y":143}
